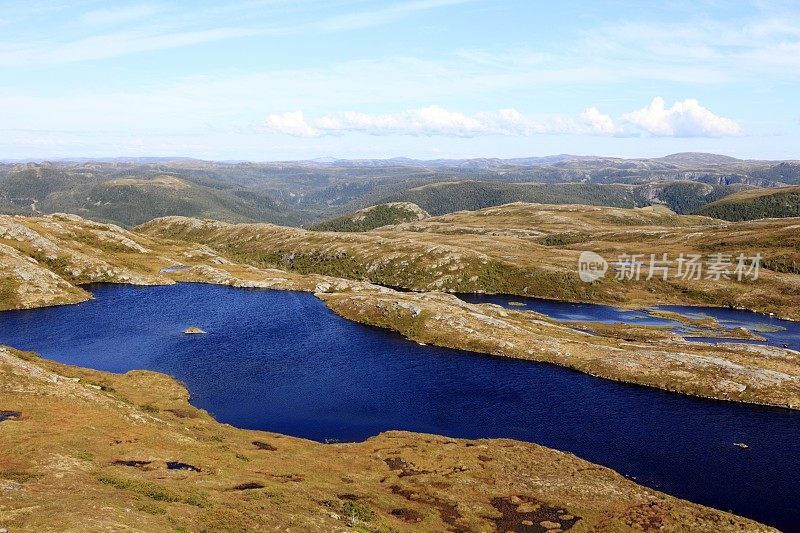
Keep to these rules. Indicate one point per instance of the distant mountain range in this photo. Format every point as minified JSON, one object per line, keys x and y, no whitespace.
{"x":131,"y":190}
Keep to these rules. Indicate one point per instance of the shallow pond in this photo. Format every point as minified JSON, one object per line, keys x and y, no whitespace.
{"x":281,"y":361}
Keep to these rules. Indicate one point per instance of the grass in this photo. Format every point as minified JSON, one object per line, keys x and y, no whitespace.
{"x":785,"y":264}
{"x":8,"y":293}
{"x":154,"y":491}
{"x":355,"y":514}
{"x":26,"y":356}
{"x":147,"y":489}
{"x":767,"y":328}
{"x":484,"y":252}
{"x":150,"y":408}
{"x":559,"y":239}
{"x":17,"y":475}
{"x":151,"y":508}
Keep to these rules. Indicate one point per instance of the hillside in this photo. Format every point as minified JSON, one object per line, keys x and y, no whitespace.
{"x":525,"y":249}
{"x":129,"y":196}
{"x":302,"y":193}
{"x":695,"y":159}
{"x":374,"y":217}
{"x":755,"y":204}
{"x":448,"y":197}
{"x":129,"y":202}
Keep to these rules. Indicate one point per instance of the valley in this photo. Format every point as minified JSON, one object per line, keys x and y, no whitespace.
{"x":399,"y":278}
{"x":131,"y":191}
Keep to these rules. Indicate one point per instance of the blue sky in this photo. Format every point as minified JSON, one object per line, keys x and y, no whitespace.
{"x":280,"y":79}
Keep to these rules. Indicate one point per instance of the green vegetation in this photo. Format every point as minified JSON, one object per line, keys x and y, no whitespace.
{"x":355,"y":514}
{"x":150,"y":408}
{"x":8,"y":292}
{"x":131,"y":203}
{"x":147,"y":489}
{"x":752,"y":205}
{"x":788,"y":264}
{"x":131,"y":192}
{"x":371,"y":218}
{"x":59,"y":264}
{"x":151,"y":508}
{"x":17,"y":475}
{"x":560,"y":239}
{"x":442,"y":198}
{"x":397,"y":481}
{"x":688,"y":196}
{"x":680,"y":196}
{"x":313,"y":262}
{"x":153,"y":491}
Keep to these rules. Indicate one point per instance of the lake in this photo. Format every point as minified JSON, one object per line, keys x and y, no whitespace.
{"x":281,"y":361}
{"x":777,"y":332}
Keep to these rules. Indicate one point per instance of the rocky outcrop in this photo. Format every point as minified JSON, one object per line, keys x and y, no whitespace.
{"x":727,"y":372}
{"x":25,"y":283}
{"x":525,"y":249}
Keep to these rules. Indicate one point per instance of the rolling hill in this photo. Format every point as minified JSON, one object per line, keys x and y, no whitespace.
{"x":129,"y":191}
{"x":374,"y":217}
{"x":448,"y":197}
{"x":129,"y":196}
{"x":754,"y":204}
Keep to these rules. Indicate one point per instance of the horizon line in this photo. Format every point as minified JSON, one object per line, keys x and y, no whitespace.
{"x":332,"y":159}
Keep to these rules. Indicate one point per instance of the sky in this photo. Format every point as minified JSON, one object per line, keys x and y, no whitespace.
{"x":266,"y":80}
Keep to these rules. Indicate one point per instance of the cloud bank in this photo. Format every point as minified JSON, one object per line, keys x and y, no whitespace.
{"x":683,"y":119}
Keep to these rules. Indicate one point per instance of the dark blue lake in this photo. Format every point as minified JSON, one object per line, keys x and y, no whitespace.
{"x":281,"y":361}
{"x":777,"y":332}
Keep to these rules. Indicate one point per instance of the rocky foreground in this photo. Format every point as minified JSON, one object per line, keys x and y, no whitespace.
{"x":88,"y":450}
{"x":82,"y":450}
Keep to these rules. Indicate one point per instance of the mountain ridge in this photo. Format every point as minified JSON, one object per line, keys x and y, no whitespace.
{"x":307,"y":193}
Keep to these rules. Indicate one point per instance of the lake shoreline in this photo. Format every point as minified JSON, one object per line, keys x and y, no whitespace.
{"x":550,"y":379}
{"x":379,"y":473}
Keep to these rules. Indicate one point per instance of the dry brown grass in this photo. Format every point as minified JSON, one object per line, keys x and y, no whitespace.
{"x":84,"y":459}
{"x":525,"y":249}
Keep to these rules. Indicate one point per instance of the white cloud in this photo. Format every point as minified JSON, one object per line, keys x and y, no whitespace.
{"x":599,"y":122}
{"x":291,"y":123}
{"x":683,"y":119}
{"x":431,"y":120}
{"x":427,"y":121}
